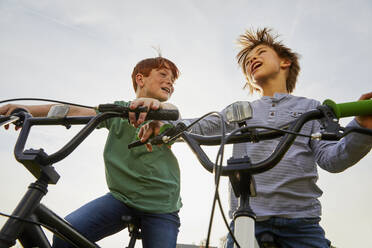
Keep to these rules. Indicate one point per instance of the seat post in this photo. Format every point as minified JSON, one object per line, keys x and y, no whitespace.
{"x":133,"y":225}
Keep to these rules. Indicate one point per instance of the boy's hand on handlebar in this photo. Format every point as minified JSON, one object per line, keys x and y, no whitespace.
{"x":149,"y":129}
{"x":150,"y":103}
{"x":8,"y":109}
{"x":365,"y":121}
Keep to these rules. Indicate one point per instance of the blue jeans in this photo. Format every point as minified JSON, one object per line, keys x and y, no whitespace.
{"x":291,"y":233}
{"x":102,"y":217}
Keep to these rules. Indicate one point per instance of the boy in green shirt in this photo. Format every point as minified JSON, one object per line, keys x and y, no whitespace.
{"x":142,"y":184}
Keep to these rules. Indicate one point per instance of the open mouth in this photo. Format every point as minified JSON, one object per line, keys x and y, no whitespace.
{"x":255,"y":66}
{"x":166,"y":90}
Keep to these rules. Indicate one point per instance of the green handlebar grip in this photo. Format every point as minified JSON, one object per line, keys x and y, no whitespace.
{"x":358,"y":108}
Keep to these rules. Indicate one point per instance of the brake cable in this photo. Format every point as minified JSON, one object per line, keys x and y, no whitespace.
{"x":45,"y":100}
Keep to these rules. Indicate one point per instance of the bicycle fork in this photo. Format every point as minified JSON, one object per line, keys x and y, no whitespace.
{"x":244,"y":225}
{"x":244,"y":187}
{"x":13,"y":227}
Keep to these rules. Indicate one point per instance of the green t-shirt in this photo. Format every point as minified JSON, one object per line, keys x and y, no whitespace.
{"x":147,"y":181}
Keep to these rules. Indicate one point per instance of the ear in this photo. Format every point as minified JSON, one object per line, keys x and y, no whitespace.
{"x":139,"y":80}
{"x":285,"y":63}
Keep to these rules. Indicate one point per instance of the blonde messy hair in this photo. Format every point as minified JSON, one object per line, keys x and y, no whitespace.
{"x":251,"y":39}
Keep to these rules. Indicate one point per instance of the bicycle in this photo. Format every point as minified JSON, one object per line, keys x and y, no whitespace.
{"x":25,"y":223}
{"x":241,"y":170}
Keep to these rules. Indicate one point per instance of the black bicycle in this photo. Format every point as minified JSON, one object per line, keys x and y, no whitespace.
{"x":241,"y":170}
{"x":30,"y":215}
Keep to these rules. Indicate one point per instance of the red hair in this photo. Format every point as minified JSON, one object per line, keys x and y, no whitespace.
{"x":145,"y":66}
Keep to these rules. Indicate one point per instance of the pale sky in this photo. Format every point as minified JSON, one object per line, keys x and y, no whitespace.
{"x":84,"y":52}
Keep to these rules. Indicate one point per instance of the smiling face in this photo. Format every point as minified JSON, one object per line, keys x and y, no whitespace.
{"x":264,"y":72}
{"x":263,"y":63}
{"x":158,"y":84}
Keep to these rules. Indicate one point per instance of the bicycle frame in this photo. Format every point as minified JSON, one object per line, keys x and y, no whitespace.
{"x":40,"y":165}
{"x":31,"y":235}
{"x":24,"y":223}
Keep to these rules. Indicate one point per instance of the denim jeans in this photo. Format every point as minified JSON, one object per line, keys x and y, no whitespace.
{"x":290,"y":233}
{"x":102,"y":217}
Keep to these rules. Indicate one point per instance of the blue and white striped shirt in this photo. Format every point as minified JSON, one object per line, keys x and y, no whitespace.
{"x":290,"y":189}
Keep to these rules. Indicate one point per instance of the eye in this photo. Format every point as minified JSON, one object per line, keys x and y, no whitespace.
{"x":262,"y":51}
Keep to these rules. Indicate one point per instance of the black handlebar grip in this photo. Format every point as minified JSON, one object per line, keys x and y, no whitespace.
{"x":118,"y":108}
{"x":163,"y":114}
{"x":135,"y":144}
{"x":160,"y":114}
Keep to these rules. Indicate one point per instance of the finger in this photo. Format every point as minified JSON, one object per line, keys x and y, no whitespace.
{"x":141,"y":118}
{"x":148,"y":147}
{"x":17,"y":128}
{"x":141,"y":131}
{"x":156,"y":131}
{"x":6,"y":126}
{"x":132,"y":118}
{"x":146,"y":135}
{"x":155,"y":127}
{"x":155,"y":105}
{"x":4,"y":109}
{"x":366,"y":96}
{"x":136,"y":103}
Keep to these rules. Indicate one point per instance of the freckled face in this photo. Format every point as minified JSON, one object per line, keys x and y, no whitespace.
{"x":158,"y":85}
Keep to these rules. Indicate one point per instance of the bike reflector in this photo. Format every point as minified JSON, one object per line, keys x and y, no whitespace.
{"x":239,"y":111}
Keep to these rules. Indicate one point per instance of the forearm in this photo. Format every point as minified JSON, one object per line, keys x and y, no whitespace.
{"x":38,"y":110}
{"x":337,"y":156}
{"x":43,"y":110}
{"x":211,"y":125}
{"x":80,"y":111}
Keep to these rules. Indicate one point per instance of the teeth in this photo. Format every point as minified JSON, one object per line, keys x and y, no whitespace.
{"x":256,"y":65}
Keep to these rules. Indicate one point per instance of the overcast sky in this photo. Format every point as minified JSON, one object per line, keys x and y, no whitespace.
{"x":84,"y":52}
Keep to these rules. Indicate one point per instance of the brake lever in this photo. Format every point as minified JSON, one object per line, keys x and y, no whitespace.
{"x":16,"y":117}
{"x":331,"y":128}
{"x":164,"y":137}
{"x":5,"y":120}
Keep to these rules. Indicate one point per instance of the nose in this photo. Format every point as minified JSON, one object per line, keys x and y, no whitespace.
{"x":169,"y":80}
{"x":253,"y":58}
{"x":250,"y":62}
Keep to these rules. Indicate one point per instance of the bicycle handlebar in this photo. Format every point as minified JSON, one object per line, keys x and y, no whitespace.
{"x":195,"y":142}
{"x":36,"y":160}
{"x":328,"y":112}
